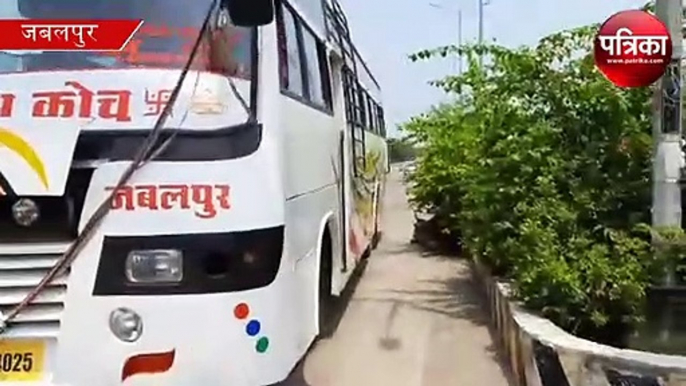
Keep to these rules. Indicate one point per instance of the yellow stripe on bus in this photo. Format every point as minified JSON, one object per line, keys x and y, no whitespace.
{"x":24,"y":150}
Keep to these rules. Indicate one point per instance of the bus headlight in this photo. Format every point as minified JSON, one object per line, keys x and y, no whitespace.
{"x":183,"y":264}
{"x":126,"y":324}
{"x":155,"y":266}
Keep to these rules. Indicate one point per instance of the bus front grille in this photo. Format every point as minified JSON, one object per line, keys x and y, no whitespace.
{"x":58,"y":216}
{"x":22,"y":267}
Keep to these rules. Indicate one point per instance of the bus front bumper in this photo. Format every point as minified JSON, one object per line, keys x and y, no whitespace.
{"x":242,"y":342}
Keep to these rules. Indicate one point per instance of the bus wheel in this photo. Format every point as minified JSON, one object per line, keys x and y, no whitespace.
{"x":326,"y":300}
{"x":376,"y":237}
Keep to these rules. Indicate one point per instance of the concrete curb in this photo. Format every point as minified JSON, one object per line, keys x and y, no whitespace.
{"x":542,"y":354}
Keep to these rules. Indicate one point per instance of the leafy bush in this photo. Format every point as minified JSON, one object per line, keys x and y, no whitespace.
{"x":543,"y":167}
{"x":400,"y":150}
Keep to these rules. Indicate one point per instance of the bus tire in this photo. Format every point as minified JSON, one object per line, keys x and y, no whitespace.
{"x":326,"y":300}
{"x":376,"y":237}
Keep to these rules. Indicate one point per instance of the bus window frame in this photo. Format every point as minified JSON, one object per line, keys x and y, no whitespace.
{"x":322,"y":59}
{"x":382,"y":122}
{"x":254,"y":72}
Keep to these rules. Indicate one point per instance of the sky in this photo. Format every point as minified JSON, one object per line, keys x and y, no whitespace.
{"x":387,"y":31}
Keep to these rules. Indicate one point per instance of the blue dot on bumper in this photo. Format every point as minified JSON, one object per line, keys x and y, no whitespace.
{"x":253,"y":328}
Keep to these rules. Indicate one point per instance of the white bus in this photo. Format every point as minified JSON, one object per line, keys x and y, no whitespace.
{"x":214,"y":263}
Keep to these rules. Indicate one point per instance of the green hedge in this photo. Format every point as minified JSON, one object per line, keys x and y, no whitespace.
{"x":543,"y":167}
{"x":400,"y":150}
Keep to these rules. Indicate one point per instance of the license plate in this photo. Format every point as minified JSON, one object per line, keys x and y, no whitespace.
{"x":21,"y":360}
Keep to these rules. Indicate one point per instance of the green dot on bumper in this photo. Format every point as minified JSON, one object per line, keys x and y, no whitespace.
{"x":262,"y":344}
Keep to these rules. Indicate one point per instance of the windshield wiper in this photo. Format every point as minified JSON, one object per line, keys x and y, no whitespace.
{"x":241,"y":100}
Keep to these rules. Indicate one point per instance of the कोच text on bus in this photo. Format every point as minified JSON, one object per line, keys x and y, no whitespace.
{"x":182,"y":212}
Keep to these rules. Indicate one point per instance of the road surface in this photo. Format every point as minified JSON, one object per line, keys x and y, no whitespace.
{"x":411,"y":320}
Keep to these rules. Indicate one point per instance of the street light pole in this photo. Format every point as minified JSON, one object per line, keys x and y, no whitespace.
{"x":481,"y":21}
{"x":482,"y":4}
{"x":459,"y":35}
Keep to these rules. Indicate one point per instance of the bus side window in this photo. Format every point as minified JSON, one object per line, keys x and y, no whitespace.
{"x":382,"y":122}
{"x":318,"y":82}
{"x":326,"y":75}
{"x":377,"y":120}
{"x":362,"y":107}
{"x":371,"y":115}
{"x":303,"y":64}
{"x":289,"y":53}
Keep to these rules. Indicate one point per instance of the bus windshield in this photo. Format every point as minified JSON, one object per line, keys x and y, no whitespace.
{"x":164,"y":41}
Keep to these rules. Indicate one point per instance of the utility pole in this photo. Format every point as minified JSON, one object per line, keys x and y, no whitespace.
{"x":482,"y":4}
{"x":667,"y":125}
{"x":667,"y":130}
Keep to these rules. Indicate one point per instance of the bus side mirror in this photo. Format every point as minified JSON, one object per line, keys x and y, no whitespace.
{"x":250,"y":13}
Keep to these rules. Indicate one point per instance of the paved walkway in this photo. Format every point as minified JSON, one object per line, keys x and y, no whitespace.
{"x":412,"y":320}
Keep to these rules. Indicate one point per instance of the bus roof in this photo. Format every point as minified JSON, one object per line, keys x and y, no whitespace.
{"x":366,"y":77}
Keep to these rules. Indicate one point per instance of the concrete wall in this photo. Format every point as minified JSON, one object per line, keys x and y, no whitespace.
{"x":542,"y":354}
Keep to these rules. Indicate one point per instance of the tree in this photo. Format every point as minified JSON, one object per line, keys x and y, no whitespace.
{"x":400,"y":150}
{"x":649,"y":7}
{"x":543,"y":167}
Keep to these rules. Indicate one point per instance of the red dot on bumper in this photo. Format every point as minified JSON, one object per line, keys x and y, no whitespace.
{"x":241,"y":311}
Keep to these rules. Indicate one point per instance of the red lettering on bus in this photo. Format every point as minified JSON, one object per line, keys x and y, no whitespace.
{"x":147,"y":197}
{"x":215,"y":52}
{"x":6,"y":105}
{"x":134,"y":52}
{"x":174,"y":193}
{"x":205,"y":200}
{"x":112,"y":104}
